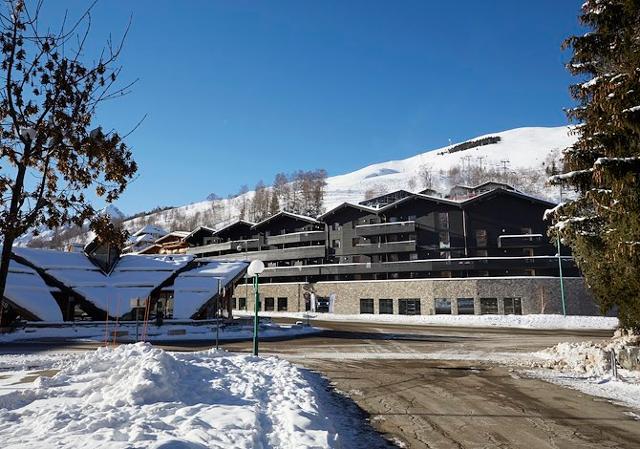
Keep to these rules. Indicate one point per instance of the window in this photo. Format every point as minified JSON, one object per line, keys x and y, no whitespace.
{"x":234,"y":303}
{"x":512,"y":306}
{"x":409,"y":307}
{"x":443,"y":220}
{"x":242,"y":303}
{"x":385,"y":306}
{"x":413,"y":256}
{"x":335,"y":243}
{"x":443,"y":306}
{"x":481,"y":237}
{"x":366,"y":305}
{"x":411,"y":218}
{"x":488,"y":306}
{"x":444,"y":239}
{"x":465,"y":306}
{"x":282,"y":304}
{"x":268,"y":304}
{"x":337,"y":226}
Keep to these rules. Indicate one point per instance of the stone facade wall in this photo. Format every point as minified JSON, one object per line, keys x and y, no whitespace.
{"x":537,"y":294}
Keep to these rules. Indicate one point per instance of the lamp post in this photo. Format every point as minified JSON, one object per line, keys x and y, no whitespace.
{"x":564,"y":306}
{"x":255,"y":268}
{"x":218,"y":315}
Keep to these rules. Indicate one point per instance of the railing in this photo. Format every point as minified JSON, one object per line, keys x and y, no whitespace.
{"x":233,"y":246}
{"x":397,"y":227}
{"x":520,"y":240}
{"x":296,"y":237}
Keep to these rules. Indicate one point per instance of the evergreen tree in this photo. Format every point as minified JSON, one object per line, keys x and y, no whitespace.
{"x":602,"y":225}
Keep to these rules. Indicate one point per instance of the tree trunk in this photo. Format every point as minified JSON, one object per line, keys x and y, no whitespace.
{"x":5,"y":259}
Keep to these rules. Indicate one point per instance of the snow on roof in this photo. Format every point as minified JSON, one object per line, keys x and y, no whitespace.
{"x":193,"y":288}
{"x":134,"y":276}
{"x":26,"y":289}
{"x":150,"y":229}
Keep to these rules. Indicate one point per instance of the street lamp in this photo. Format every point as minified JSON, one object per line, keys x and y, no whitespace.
{"x":562,"y":298}
{"x":255,"y":268}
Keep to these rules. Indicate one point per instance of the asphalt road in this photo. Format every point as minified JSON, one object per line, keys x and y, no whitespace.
{"x":398,"y":376}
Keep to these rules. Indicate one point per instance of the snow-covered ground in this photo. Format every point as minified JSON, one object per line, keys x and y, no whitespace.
{"x":571,"y":322}
{"x":126,"y":333}
{"x":137,"y":396}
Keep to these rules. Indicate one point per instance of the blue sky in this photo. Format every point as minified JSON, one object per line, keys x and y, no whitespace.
{"x":236,"y":91}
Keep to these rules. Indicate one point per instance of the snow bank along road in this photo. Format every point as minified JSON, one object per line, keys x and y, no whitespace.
{"x":429,"y":387}
{"x":137,"y":396}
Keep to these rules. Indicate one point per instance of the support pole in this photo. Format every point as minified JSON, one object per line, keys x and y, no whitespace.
{"x":256,"y":308}
{"x":564,"y":305}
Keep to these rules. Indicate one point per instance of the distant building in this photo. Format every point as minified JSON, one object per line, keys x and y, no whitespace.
{"x":410,"y":253}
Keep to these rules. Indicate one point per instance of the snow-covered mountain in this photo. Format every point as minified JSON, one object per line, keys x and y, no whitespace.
{"x":525,"y":152}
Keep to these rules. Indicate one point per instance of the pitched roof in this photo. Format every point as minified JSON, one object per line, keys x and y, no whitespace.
{"x":502,"y":191}
{"x":234,"y":223}
{"x":435,"y":199}
{"x":284,"y":213}
{"x":206,"y":228}
{"x":372,"y":210}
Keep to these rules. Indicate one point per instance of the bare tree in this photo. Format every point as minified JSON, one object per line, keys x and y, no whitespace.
{"x":426,"y":176}
{"x":53,"y":151}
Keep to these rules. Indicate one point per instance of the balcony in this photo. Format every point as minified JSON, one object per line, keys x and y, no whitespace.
{"x":231,"y":246}
{"x":521,"y":241}
{"x":398,"y":227}
{"x":383,"y":248}
{"x":430,"y":265}
{"x":296,"y":237}
{"x":298,"y":253}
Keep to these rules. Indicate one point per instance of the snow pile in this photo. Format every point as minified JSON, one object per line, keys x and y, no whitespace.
{"x":586,"y":367}
{"x":588,"y":358}
{"x":533,"y":321}
{"x":140,"y":396}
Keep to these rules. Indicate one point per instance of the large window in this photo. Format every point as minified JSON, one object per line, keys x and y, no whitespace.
{"x":282,"y":304}
{"x":366,"y":305}
{"x":443,"y":306}
{"x":242,"y":303}
{"x":512,"y":306}
{"x":488,"y":306}
{"x":268,"y":304}
{"x":465,"y":306}
{"x":481,"y":237}
{"x":409,"y":307}
{"x":385,"y":306}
